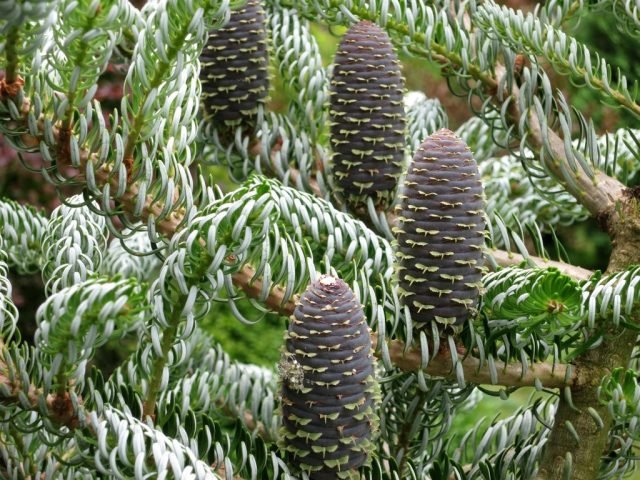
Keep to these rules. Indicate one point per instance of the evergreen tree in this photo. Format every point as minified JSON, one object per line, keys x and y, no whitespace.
{"x":409,"y":258}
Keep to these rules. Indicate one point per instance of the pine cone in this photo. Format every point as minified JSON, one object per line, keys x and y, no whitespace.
{"x":367,"y":117}
{"x":234,"y":73}
{"x":328,"y":385}
{"x":440,"y":232}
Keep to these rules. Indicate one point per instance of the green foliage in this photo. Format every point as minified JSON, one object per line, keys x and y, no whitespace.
{"x":130,"y":256}
{"x":537,"y":309}
{"x":424,"y":117}
{"x":86,"y":315}
{"x":621,"y":393}
{"x":565,"y":54}
{"x":506,"y":448}
{"x":258,"y":345}
{"x":300,"y":64}
{"x":613,"y":297}
{"x":74,"y":240}
{"x":8,"y":311}
{"x":22,"y":232}
{"x":520,"y":201}
{"x":85,"y":42}
{"x":156,"y":260}
{"x":614,"y":44}
{"x":22,"y":31}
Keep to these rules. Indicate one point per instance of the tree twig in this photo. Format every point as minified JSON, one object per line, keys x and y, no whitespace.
{"x":551,"y":376}
{"x":508,"y":375}
{"x":575,"y":432}
{"x":160,"y":361}
{"x":507,"y":259}
{"x":60,"y":409}
{"x":599,"y":194}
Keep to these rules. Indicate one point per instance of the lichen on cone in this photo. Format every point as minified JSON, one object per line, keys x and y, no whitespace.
{"x":440,"y":233}
{"x":328,"y":386}
{"x":367,"y":117}
{"x":234,"y":69}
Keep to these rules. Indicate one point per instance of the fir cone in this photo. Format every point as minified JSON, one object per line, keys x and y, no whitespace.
{"x":328,"y":385}
{"x":367,"y":117}
{"x":233,"y":71}
{"x":440,"y":233}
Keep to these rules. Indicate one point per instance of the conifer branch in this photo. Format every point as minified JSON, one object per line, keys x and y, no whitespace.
{"x":59,"y":408}
{"x":256,"y":147}
{"x":599,"y":194}
{"x":512,"y":374}
{"x":243,"y":279}
{"x":507,"y":259}
{"x":168,"y":339}
{"x":627,"y":12}
{"x":551,"y":376}
{"x":509,"y":375}
{"x":264,"y":243}
{"x":564,"y":53}
{"x":138,"y":120}
{"x":11,"y":68}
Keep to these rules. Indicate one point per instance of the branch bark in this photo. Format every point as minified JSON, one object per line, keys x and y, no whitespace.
{"x":509,"y":375}
{"x":551,"y":376}
{"x":599,"y":194}
{"x":587,"y":443}
{"x":575,"y":433}
{"x":244,"y":280}
{"x":507,"y":259}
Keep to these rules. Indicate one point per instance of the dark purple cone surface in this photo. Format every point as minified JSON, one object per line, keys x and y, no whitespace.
{"x":233,"y":71}
{"x":367,"y":116}
{"x":328,"y":385}
{"x":440,"y":233}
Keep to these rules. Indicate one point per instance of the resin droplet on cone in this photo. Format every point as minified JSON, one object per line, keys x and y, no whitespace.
{"x":440,"y":233}
{"x":328,"y":385}
{"x":367,"y":117}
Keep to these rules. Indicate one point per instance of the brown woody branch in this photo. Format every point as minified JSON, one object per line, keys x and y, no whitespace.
{"x":509,"y":375}
{"x":441,"y":365}
{"x":474,"y":372}
{"x":507,"y":259}
{"x":599,"y":194}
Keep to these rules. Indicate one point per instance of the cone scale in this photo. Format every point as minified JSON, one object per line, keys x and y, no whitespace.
{"x":440,"y":233}
{"x":367,"y":117}
{"x":233,"y":71}
{"x":328,"y":386}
